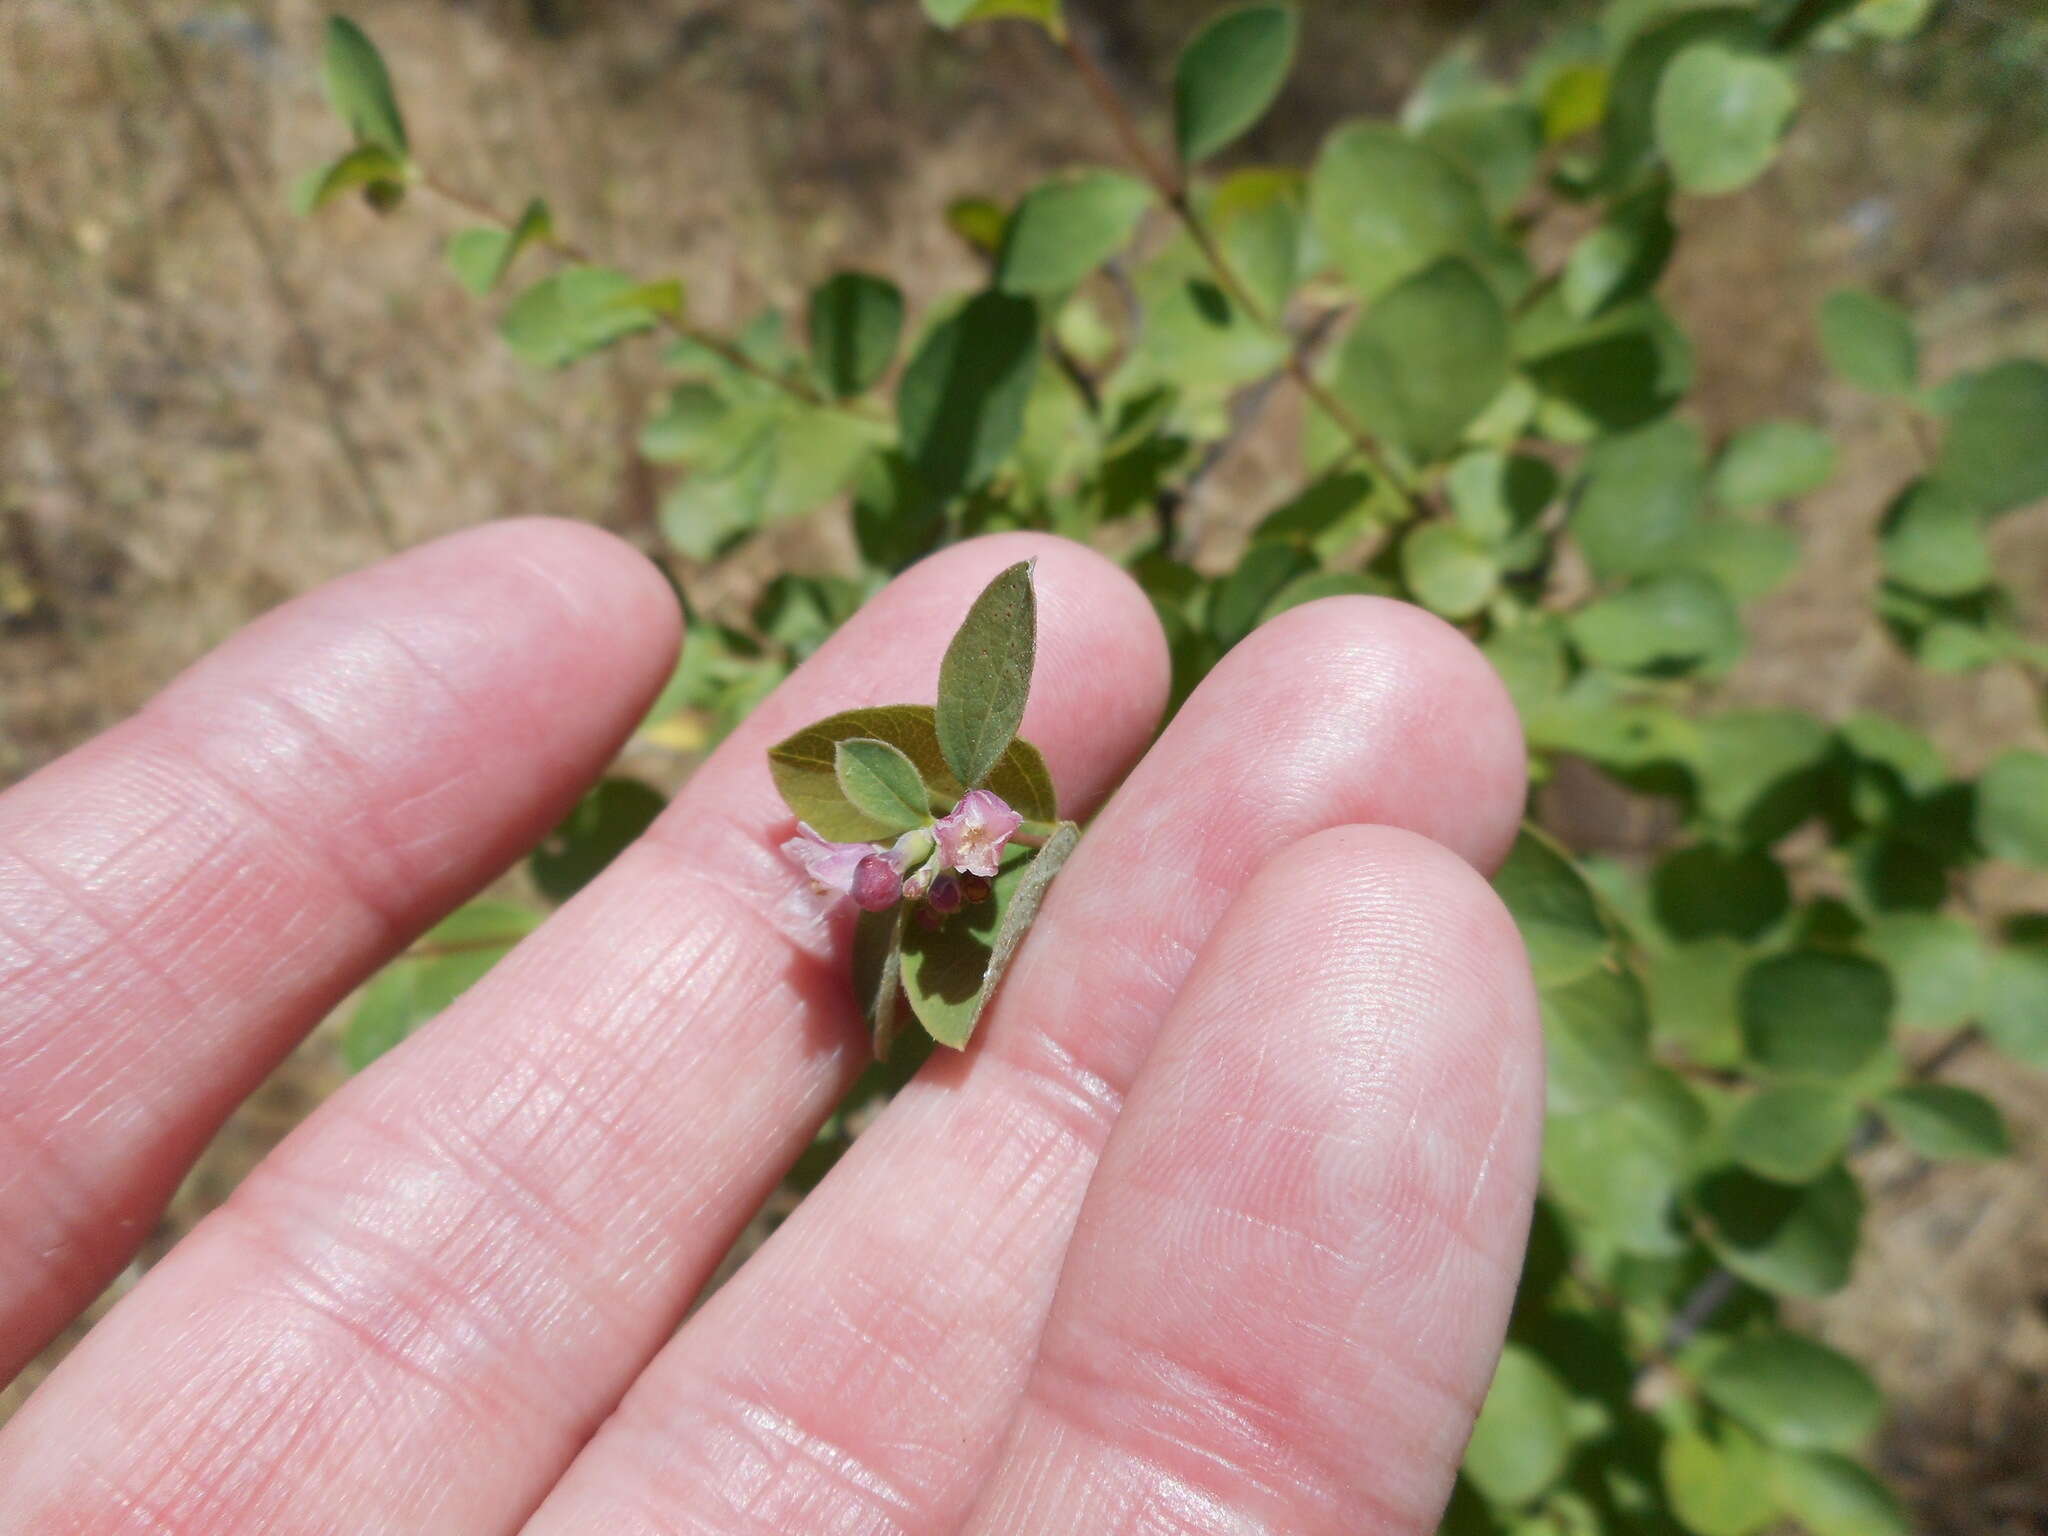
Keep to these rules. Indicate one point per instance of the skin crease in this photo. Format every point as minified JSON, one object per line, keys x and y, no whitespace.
{"x":430,"y":1299}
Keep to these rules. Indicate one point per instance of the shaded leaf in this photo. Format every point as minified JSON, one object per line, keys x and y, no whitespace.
{"x":1228,"y":76}
{"x":1945,"y":1122}
{"x":1792,"y":1132}
{"x":1623,"y":257}
{"x":1793,"y":1241}
{"x":1994,"y":454}
{"x":605,"y":822}
{"x":1707,"y":891}
{"x":1933,"y":542}
{"x":855,"y":323}
{"x":1555,"y":910}
{"x":439,"y":967}
{"x":367,"y":167}
{"x":1813,"y":1013}
{"x":962,"y":399}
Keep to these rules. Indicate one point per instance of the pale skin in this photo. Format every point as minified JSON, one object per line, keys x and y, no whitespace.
{"x":1214,"y":1229}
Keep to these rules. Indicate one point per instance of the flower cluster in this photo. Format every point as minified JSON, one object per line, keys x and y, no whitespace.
{"x":945,"y":866}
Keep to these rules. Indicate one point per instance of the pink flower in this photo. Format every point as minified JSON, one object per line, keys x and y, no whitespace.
{"x":972,"y":838}
{"x":831,"y":866}
{"x":877,"y":883}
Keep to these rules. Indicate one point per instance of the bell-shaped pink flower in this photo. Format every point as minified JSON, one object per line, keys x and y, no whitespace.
{"x":972,"y":838}
{"x":831,"y":866}
{"x":877,"y":883}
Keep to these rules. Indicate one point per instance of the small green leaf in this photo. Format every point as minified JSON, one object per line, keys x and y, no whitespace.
{"x":1794,"y":1392}
{"x":1693,"y":989}
{"x":1523,"y":1436}
{"x":806,"y":770}
{"x":1937,"y":964}
{"x":985,"y":678}
{"x":961,"y":403}
{"x":1794,"y":1241}
{"x":1426,"y":359}
{"x":1933,"y":542}
{"x":2016,"y":1003}
{"x":439,"y":967}
{"x":1555,"y":909}
{"x":1812,"y":1013}
{"x":1720,"y":115}
{"x":1619,"y":1168}
{"x":1596,"y":1034}
{"x":359,"y":87}
{"x":1717,"y":1485}
{"x":1228,"y":76}
{"x":1387,"y":206}
{"x":605,"y":822}
{"x":1622,"y":258}
{"x":1639,"y":496}
{"x":1869,"y":342}
{"x":1757,"y":770}
{"x":1792,"y":1132}
{"x":1994,"y":454}
{"x":1946,"y":1123}
{"x":572,"y":313}
{"x":481,"y":257}
{"x":881,"y":783}
{"x":957,"y":13}
{"x":1497,"y":495}
{"x":856,"y":322}
{"x":1831,"y":1495}
{"x":1772,"y":462}
{"x":2012,"y":808}
{"x":1663,"y":624}
{"x":1242,"y":598}
{"x":1449,"y":571}
{"x":1499,"y":144}
{"x":367,"y":167}
{"x":1067,"y":227}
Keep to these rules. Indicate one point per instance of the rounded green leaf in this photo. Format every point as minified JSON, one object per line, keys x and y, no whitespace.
{"x":1242,"y":598}
{"x":1946,"y":1123}
{"x":1869,"y":341}
{"x":439,"y":967}
{"x":1228,"y":76}
{"x":1426,"y":359}
{"x":2016,"y":1003}
{"x":1555,"y":910}
{"x":1596,"y":1035}
{"x":1622,"y":257}
{"x":1757,"y":770}
{"x":962,"y":399}
{"x":605,"y":822}
{"x":1720,"y":115}
{"x":1792,"y":1132}
{"x":2012,"y":808}
{"x":1748,"y":559}
{"x":856,"y":321}
{"x":1522,"y":1439}
{"x":1067,"y":227}
{"x":1794,"y":1391}
{"x":1717,"y":1486}
{"x":1812,"y":1013}
{"x":1790,"y":1240}
{"x":1496,"y":495}
{"x":1387,"y":206}
{"x":1663,"y":624}
{"x":1771,"y":462}
{"x":1994,"y":454}
{"x":985,"y":677}
{"x":1499,"y":144}
{"x":1831,"y":1495}
{"x":1937,"y":964}
{"x":1693,"y":989}
{"x":881,"y":783}
{"x":359,"y":87}
{"x":1449,"y":571}
{"x":1707,"y":891}
{"x":1638,"y":497}
{"x":572,"y":313}
{"x":1933,"y":542}
{"x":1618,"y":1169}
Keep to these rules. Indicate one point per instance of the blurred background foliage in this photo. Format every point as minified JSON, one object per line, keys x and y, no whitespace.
{"x":1767,"y":1007}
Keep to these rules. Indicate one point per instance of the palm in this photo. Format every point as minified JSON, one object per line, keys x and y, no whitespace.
{"x":1213,"y":1230}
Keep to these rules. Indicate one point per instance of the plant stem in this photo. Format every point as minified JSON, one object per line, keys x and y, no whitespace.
{"x":1169,"y":184}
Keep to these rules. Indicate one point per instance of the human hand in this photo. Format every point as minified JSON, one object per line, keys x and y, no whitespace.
{"x":1213,"y":1230}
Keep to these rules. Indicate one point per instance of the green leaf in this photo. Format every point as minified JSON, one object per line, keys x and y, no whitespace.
{"x":1662,"y":624}
{"x":1748,"y":559}
{"x":1937,"y":964}
{"x":1717,"y":1485}
{"x":855,"y":324}
{"x":1242,"y":597}
{"x":1869,"y":342}
{"x":1426,"y":359}
{"x":1622,"y":258}
{"x":1387,"y":206}
{"x":1449,"y":571}
{"x":881,"y":783}
{"x":1795,"y":1392}
{"x":1229,"y":75}
{"x":1994,"y":454}
{"x":1792,"y":1241}
{"x":1720,"y":115}
{"x":1629,"y":132}
{"x":573,"y":313}
{"x":1708,"y":891}
{"x":1792,"y":1132}
{"x":805,"y":768}
{"x":985,"y":678}
{"x":1832,"y":1496}
{"x":1499,"y":144}
{"x":1523,"y":1436}
{"x":1555,"y":909}
{"x":951,"y":973}
{"x":1619,"y":1168}
{"x":482,"y":257}
{"x":2016,"y":1003}
{"x":439,"y":967}
{"x":359,"y":87}
{"x":604,"y":823}
{"x":1757,"y":769}
{"x":1693,"y":989}
{"x":1946,"y":1123}
{"x":1812,"y":1013}
{"x":1596,"y":1034}
{"x":1638,"y":497}
{"x":1496,"y":495}
{"x":1772,"y":462}
{"x":962,"y":399}
{"x":1620,"y":370}
{"x":1067,"y":227}
{"x":368,"y":167}
{"x":2012,"y":808}
{"x":1933,"y":542}
{"x":956,"y":13}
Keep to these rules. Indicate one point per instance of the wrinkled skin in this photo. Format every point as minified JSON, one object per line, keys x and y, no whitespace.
{"x":1213,"y":1230}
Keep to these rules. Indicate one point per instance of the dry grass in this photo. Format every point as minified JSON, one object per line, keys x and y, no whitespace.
{"x":169,"y":466}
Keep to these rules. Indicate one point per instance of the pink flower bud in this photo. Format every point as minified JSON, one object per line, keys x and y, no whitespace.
{"x":876,"y":884}
{"x":830,"y":866}
{"x":976,"y":888}
{"x":946,"y":895}
{"x":972,"y":838}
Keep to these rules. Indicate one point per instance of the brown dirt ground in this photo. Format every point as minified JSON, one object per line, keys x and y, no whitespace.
{"x":169,"y":466}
